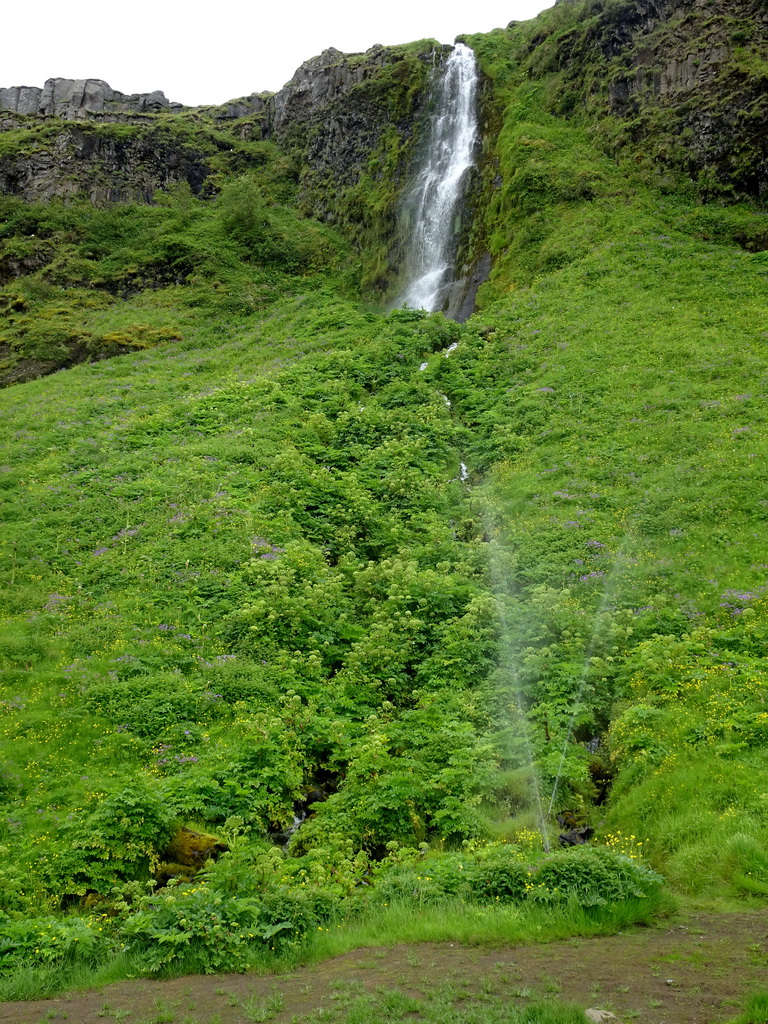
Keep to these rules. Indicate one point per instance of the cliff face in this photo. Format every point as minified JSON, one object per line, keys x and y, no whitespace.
{"x":342,"y":131}
{"x":77,"y":161}
{"x":683,"y":82}
{"x":74,"y":99}
{"x":65,"y":149}
{"x":677,"y":87}
{"x":332,"y":116}
{"x":336,"y":109}
{"x":680,"y":80}
{"x":350,"y":122}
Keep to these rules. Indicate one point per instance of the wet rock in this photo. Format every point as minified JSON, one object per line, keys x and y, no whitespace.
{"x":337,"y":106}
{"x":576,"y":836}
{"x":315,"y":796}
{"x":461,"y":300}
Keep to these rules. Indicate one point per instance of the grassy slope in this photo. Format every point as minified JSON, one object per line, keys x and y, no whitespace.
{"x":631,"y":502}
{"x":254,"y":571}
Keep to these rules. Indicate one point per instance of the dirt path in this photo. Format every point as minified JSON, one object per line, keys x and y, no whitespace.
{"x":696,"y":972}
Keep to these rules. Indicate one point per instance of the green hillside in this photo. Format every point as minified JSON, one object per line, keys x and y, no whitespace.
{"x":253,"y":604}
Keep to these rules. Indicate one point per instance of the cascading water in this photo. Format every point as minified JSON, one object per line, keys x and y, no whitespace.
{"x":433,"y":202}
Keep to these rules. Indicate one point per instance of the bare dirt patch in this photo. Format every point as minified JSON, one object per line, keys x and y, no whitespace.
{"x":697,"y":971}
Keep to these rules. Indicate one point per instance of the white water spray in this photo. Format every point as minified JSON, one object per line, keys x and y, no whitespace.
{"x":433,"y":202}
{"x":509,"y":664}
{"x":606,"y":602}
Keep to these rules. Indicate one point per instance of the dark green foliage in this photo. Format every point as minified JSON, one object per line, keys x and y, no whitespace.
{"x":504,"y":880}
{"x":150,"y":705}
{"x":200,"y":928}
{"x":117,"y":838}
{"x":246,"y":587}
{"x":82,"y":283}
{"x":243,"y":212}
{"x":49,"y":942}
{"x":499,"y":873}
{"x":593,"y":878}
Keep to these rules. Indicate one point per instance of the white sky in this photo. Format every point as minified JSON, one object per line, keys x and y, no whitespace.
{"x":211,"y":52}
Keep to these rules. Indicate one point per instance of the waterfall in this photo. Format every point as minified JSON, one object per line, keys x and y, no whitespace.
{"x":433,"y":202}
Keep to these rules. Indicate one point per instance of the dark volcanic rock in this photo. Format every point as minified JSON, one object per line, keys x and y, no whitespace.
{"x":337,"y":109}
{"x":79,"y":98}
{"x":332,"y":114}
{"x":80,"y":160}
{"x":576,"y":836}
{"x":686,"y":80}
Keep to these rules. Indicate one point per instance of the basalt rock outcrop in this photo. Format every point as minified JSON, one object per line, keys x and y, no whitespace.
{"x":79,"y":161}
{"x":80,"y":98}
{"x":350,"y":121}
{"x":338,"y":113}
{"x":668,"y":81}
{"x":681,"y":81}
{"x":72,"y":151}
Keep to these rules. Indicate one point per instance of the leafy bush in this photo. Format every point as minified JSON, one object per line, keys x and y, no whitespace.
{"x":304,"y":907}
{"x":21,"y":894}
{"x":206,"y":930}
{"x":592,"y":877}
{"x":504,"y":880}
{"x":152,"y":704}
{"x":211,"y":929}
{"x":243,"y":212}
{"x":119,"y":838}
{"x":503,"y":873}
{"x":48,"y":942}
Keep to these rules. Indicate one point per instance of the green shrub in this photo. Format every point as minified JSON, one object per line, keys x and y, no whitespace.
{"x":207,"y":931}
{"x":118,"y":839}
{"x":152,"y":704}
{"x":48,"y":942}
{"x":503,"y":873}
{"x":243,"y":211}
{"x":305,"y":907}
{"x":21,"y":891}
{"x":503,"y":880}
{"x":592,"y":877}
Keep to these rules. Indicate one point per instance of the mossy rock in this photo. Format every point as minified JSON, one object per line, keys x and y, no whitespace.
{"x":168,"y":871}
{"x":192,"y":849}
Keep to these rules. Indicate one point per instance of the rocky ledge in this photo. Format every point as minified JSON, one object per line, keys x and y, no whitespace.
{"x":80,"y":98}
